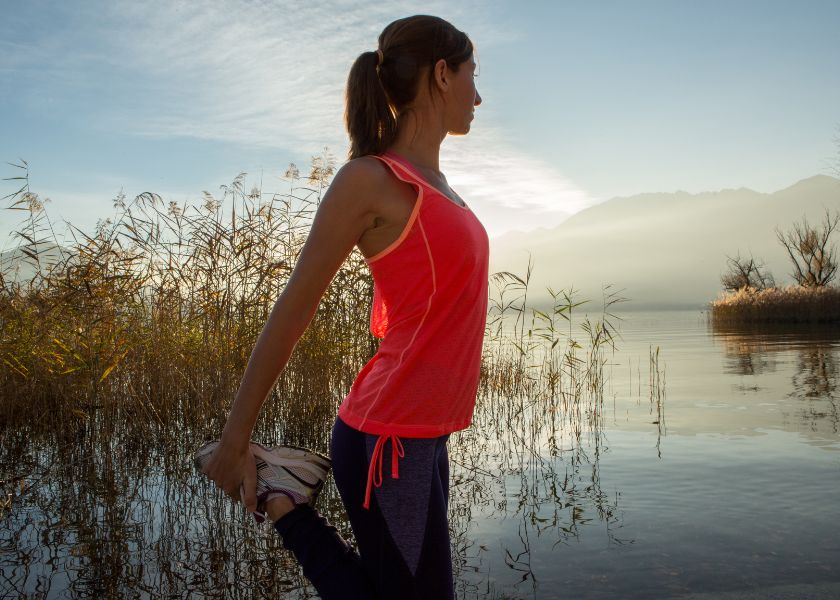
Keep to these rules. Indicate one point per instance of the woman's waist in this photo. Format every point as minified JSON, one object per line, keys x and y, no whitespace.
{"x":382,"y":422}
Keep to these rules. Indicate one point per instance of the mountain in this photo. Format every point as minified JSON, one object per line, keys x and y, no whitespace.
{"x":665,"y":250}
{"x":17,"y":266}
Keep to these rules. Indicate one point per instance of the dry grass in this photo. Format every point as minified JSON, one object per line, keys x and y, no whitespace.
{"x":150,"y":319}
{"x":155,"y":313}
{"x":123,"y":350}
{"x":789,"y":304}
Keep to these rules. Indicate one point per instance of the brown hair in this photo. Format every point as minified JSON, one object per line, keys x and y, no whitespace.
{"x":375,"y":96}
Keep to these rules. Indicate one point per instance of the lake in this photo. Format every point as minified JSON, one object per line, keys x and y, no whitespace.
{"x":714,"y":473}
{"x":732,"y":493}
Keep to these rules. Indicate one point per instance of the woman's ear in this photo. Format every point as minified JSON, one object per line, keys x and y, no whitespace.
{"x":441,"y":75}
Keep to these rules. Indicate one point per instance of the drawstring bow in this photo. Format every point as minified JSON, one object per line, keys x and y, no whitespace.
{"x":375,"y":468}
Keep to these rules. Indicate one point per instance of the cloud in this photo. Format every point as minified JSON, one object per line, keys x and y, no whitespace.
{"x":254,"y":73}
{"x":524,"y":187}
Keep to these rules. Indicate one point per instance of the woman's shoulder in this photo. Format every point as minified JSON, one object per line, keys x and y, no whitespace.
{"x":366,"y":177}
{"x":363,"y":171}
{"x":361,"y":183}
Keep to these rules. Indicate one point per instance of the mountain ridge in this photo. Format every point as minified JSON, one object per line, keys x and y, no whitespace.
{"x":665,"y":247}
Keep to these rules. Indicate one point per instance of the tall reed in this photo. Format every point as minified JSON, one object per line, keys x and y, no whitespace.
{"x":155,"y":313}
{"x":152,"y":316}
{"x":122,"y":348}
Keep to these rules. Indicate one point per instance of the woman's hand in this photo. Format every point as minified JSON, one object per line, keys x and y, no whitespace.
{"x":343,"y":216}
{"x":233,"y":469}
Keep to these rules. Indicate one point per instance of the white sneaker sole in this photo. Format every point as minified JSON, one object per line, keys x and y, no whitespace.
{"x":291,"y":455}
{"x":287,"y":458}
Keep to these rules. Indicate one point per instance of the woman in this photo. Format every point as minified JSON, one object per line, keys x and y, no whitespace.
{"x":428,"y":255}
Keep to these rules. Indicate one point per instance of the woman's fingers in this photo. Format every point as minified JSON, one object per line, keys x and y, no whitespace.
{"x":249,"y":485}
{"x":233,"y":495}
{"x":228,"y":485}
{"x":229,"y":472}
{"x":231,"y":486}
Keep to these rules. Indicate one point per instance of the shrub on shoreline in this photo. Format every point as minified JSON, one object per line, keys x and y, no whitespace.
{"x":786,"y":304}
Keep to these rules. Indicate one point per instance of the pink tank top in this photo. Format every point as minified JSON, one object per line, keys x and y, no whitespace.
{"x":430,"y":309}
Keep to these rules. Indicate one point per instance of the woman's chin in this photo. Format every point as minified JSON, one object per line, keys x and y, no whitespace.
{"x":461,"y":131}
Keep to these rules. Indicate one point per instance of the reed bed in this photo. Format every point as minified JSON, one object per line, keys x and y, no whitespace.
{"x":787,"y":304}
{"x":122,"y":349}
{"x":151,"y":318}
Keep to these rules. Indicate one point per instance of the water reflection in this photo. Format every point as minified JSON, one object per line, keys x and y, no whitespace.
{"x":124,"y":518}
{"x":530,"y":466}
{"x":809,"y":353}
{"x":816,"y":371}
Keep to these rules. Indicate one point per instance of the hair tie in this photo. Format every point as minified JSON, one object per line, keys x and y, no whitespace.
{"x":380,"y":57}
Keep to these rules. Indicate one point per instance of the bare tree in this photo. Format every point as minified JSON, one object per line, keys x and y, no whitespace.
{"x":814,"y":262}
{"x":744,"y":272}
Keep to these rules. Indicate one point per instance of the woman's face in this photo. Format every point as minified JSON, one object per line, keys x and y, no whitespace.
{"x":464,"y":98}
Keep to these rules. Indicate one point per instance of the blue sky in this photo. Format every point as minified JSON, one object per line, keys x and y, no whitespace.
{"x":583,"y":101}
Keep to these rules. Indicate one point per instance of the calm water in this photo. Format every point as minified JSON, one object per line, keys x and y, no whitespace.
{"x":733,"y":493}
{"x":725,"y":484}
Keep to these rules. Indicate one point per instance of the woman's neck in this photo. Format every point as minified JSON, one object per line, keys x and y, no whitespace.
{"x":420,"y":145}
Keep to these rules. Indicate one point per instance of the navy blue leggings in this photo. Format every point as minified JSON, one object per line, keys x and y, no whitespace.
{"x":403,"y":538}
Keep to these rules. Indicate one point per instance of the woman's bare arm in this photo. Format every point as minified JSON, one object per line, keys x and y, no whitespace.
{"x":344,"y":214}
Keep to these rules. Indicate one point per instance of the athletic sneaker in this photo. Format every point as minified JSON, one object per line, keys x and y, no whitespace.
{"x":294,"y":472}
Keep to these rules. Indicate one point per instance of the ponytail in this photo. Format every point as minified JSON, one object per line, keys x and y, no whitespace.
{"x":371,"y":122}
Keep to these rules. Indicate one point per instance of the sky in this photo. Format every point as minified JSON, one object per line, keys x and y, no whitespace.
{"x":582,"y":101}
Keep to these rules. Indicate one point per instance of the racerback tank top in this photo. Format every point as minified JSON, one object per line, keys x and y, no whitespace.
{"x":430,"y":310}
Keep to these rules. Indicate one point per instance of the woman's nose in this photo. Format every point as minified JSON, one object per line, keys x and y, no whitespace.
{"x":477,"y":98}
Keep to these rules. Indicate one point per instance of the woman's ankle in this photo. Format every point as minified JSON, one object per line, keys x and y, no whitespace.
{"x":278,"y":507}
